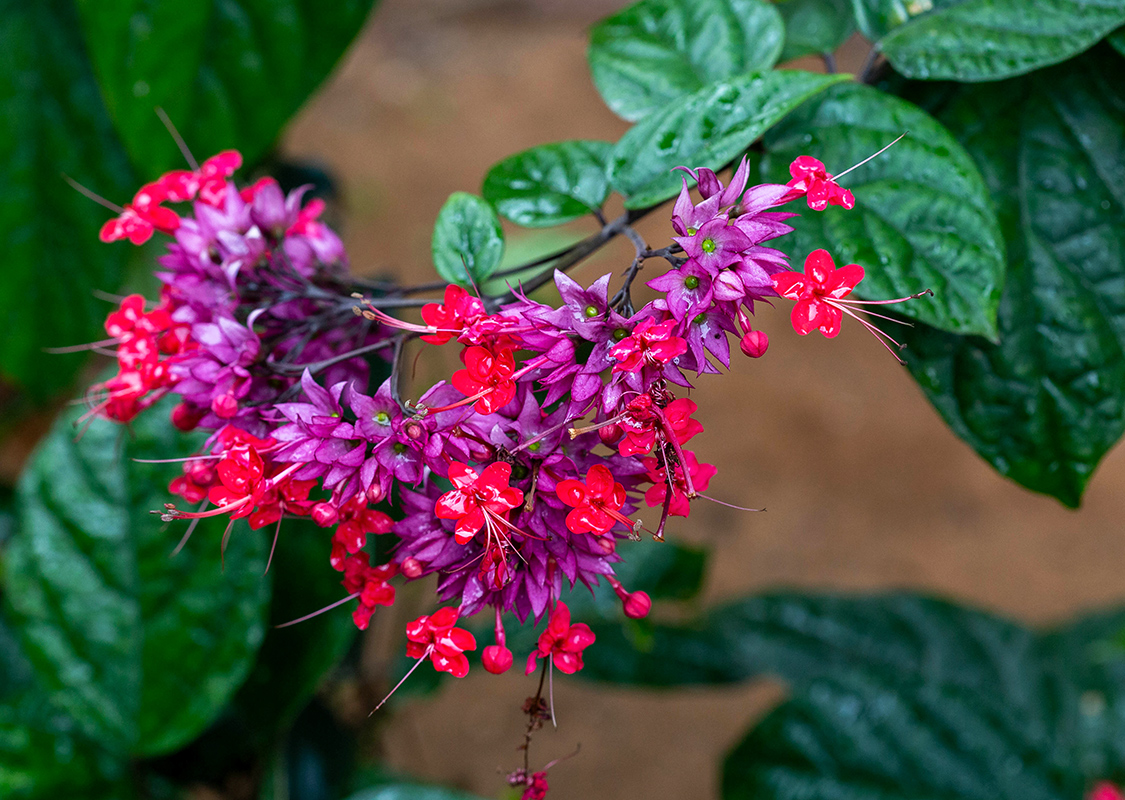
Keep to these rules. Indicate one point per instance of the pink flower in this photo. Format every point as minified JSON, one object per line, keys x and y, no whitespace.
{"x":435,"y":637}
{"x":811,"y":179}
{"x":562,"y":642}
{"x":817,"y":293}
{"x":477,"y":500}
{"x":596,"y":503}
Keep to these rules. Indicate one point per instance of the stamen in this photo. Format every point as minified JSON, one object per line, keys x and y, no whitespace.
{"x":404,"y":677}
{"x":873,"y":155}
{"x":319,"y":612}
{"x":179,"y":140}
{"x":97,"y":198}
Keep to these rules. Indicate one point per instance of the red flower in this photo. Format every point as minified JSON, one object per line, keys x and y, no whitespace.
{"x":460,"y":309}
{"x":650,"y":342}
{"x":487,"y":377}
{"x":817,"y":292}
{"x":1104,"y":790}
{"x":213,"y":174}
{"x":141,"y":217}
{"x":641,"y":424}
{"x":356,"y":522}
{"x":811,"y":179}
{"x":679,"y":506}
{"x":477,"y":500}
{"x":596,"y":503}
{"x":562,"y":642}
{"x":434,"y":636}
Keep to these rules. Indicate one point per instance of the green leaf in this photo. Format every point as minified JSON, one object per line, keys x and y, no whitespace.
{"x":984,"y":40}
{"x":802,"y":638}
{"x":1117,"y":40}
{"x":411,"y":791}
{"x":550,"y":184}
{"x":54,"y":123}
{"x":813,"y":27}
{"x":468,"y":242}
{"x":876,"y":18}
{"x":141,"y":649}
{"x":705,"y":129}
{"x":229,"y":73}
{"x":857,"y":738}
{"x":293,"y":660}
{"x":657,"y":51}
{"x":42,"y":754}
{"x":1045,"y":404}
{"x":923,"y":217}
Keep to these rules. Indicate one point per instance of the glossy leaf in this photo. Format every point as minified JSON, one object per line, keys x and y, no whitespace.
{"x":813,"y":27}
{"x":293,"y":660}
{"x":923,"y":217}
{"x":141,"y":649}
{"x":656,"y":51}
{"x":876,"y":18}
{"x":801,"y":638}
{"x":411,"y":791}
{"x":1048,"y":402}
{"x":985,"y":40}
{"x":42,"y":754}
{"x":468,"y":242}
{"x":550,"y":184}
{"x":54,"y":123}
{"x":858,"y":738}
{"x":705,"y":129}
{"x":228,"y":73}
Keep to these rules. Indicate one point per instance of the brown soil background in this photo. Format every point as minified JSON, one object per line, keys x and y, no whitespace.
{"x":866,"y":487}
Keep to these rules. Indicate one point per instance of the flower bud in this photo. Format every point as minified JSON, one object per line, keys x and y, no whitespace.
{"x":610,"y":434}
{"x":375,"y":494}
{"x":412,"y":568}
{"x":497,"y":659}
{"x":413,"y":430}
{"x":637,"y":605}
{"x":754,"y":344}
{"x":325,"y":514}
{"x":186,"y":417}
{"x":606,"y":544}
{"x":224,"y":406}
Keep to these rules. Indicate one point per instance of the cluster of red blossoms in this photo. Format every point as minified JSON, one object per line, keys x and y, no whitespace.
{"x":518,"y":478}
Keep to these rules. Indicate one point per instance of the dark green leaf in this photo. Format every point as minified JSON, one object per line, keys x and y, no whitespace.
{"x":141,"y":649}
{"x":815,"y":26}
{"x":411,"y":791}
{"x":468,"y":242}
{"x":984,"y":40}
{"x":1117,"y":39}
{"x":657,"y":51}
{"x":550,"y":184}
{"x":294,"y":659}
{"x":876,"y":18}
{"x":42,"y":755}
{"x":705,"y":129}
{"x":229,"y":73}
{"x":54,"y":123}
{"x":860,"y":739}
{"x":801,"y":638}
{"x":1045,"y":404}
{"x":923,"y":217}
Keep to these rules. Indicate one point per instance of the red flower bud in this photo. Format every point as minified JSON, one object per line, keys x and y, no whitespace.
{"x":497,"y":659}
{"x":637,"y":605}
{"x":224,"y":406}
{"x":754,"y":344}
{"x":412,"y":568}
{"x":325,"y":514}
{"x":186,"y":417}
{"x":610,"y":434}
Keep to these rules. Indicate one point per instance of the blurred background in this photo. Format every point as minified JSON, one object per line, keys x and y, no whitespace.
{"x":865,"y":487}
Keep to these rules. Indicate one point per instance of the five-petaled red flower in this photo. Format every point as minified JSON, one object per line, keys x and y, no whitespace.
{"x":477,"y":499}
{"x":562,"y":642}
{"x":460,"y":308}
{"x":434,"y":636}
{"x":817,"y":292}
{"x":650,"y":342}
{"x":811,"y":179}
{"x":141,"y":217}
{"x":596,"y":504}
{"x":641,"y":424}
{"x":487,"y":377}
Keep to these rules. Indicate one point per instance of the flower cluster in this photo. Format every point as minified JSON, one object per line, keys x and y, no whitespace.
{"x":519,"y":477}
